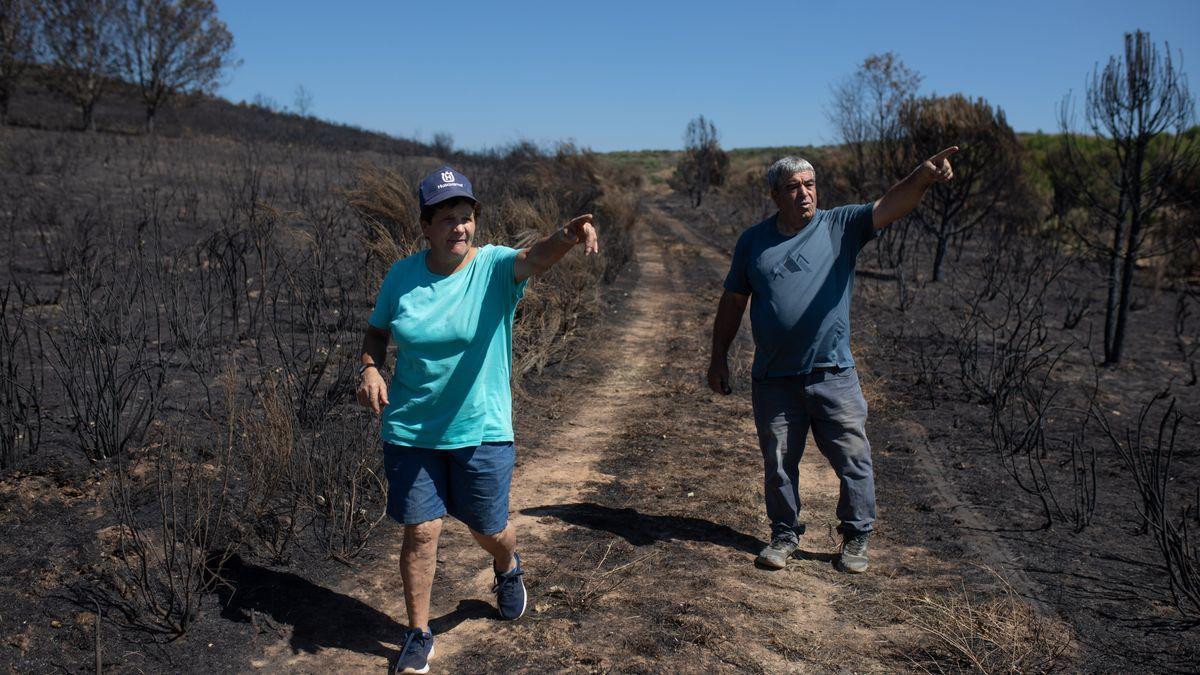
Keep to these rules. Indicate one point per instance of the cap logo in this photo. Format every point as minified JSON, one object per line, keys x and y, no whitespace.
{"x":448,"y":176}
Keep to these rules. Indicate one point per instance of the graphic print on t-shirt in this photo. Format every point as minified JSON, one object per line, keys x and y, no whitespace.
{"x":796,"y":262}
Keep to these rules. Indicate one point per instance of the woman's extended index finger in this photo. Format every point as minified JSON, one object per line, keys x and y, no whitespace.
{"x":944,"y":154}
{"x":580,"y":220}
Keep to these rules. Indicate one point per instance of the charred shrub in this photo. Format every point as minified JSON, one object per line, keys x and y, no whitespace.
{"x":21,"y":380}
{"x":166,"y":554}
{"x":107,"y":355}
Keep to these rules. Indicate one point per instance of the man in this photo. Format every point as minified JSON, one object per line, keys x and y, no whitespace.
{"x":796,"y":268}
{"x":447,"y":414}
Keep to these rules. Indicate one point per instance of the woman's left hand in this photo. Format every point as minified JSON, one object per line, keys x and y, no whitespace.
{"x":582,"y":230}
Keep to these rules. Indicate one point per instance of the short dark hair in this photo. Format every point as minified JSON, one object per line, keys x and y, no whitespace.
{"x":428,"y":212}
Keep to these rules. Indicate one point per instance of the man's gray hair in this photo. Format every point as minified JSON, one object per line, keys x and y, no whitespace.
{"x":783,"y":169}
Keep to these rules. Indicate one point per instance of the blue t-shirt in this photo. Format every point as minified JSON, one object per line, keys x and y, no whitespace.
{"x":454,"y":350}
{"x":800,"y":289}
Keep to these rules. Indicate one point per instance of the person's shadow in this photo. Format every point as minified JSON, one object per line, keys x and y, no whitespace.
{"x":641,"y":529}
{"x":321,"y":618}
{"x":819,"y":556}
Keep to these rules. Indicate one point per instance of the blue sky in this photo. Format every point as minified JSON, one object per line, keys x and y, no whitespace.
{"x":629,"y":75}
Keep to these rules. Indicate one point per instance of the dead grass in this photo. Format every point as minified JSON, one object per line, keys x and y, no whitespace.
{"x":589,"y":584}
{"x":965,"y":629}
{"x":385,"y":203}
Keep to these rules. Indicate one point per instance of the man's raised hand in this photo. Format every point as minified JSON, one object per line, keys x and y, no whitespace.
{"x":938,"y":167}
{"x":580,"y":228}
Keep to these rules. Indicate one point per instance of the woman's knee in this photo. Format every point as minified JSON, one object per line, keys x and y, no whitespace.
{"x":423,"y":534}
{"x":497,"y":536}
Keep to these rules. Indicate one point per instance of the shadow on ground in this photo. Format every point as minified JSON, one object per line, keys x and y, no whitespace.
{"x":641,"y":529}
{"x":319,"y":617}
{"x":819,"y":556}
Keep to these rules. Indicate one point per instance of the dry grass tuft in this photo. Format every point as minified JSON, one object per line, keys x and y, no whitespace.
{"x":386,"y":204}
{"x":989,"y":633}
{"x":617,"y":212}
{"x":521,"y":218}
{"x":266,"y":455}
{"x":586,"y":585}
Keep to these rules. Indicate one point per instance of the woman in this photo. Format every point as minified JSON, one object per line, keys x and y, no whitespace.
{"x":447,"y":415}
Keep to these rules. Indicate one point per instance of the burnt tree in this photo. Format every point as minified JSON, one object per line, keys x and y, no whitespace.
{"x":81,"y":45}
{"x":172,"y":47}
{"x":986,"y":172}
{"x":704,"y":164}
{"x":866,"y":114}
{"x":18,"y":36}
{"x":1121,"y":165}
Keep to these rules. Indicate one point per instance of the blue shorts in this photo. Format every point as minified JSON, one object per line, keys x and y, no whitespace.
{"x":471,"y":484}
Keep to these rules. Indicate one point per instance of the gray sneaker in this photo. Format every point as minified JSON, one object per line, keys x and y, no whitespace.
{"x":776,"y":553}
{"x":854,"y":552}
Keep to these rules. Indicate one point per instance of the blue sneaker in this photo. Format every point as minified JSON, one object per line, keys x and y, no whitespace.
{"x":510,"y":591}
{"x":415,"y":653}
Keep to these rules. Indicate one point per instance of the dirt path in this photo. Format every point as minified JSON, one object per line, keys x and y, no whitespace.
{"x":638,"y":503}
{"x":577,"y":447}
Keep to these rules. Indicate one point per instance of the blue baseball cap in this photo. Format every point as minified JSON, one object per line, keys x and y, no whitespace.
{"x":442,"y":185}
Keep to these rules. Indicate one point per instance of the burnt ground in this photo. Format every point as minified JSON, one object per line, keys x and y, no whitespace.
{"x":638,"y":497}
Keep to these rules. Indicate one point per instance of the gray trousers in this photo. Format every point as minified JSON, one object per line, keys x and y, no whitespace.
{"x":831,"y":403}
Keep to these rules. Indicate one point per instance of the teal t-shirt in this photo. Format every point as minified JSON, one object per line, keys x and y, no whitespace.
{"x":453,"y":336}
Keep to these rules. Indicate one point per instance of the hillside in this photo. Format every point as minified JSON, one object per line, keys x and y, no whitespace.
{"x":35,"y":105}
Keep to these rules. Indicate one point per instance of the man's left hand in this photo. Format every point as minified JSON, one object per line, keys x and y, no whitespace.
{"x":938,"y":167}
{"x":580,"y":229}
